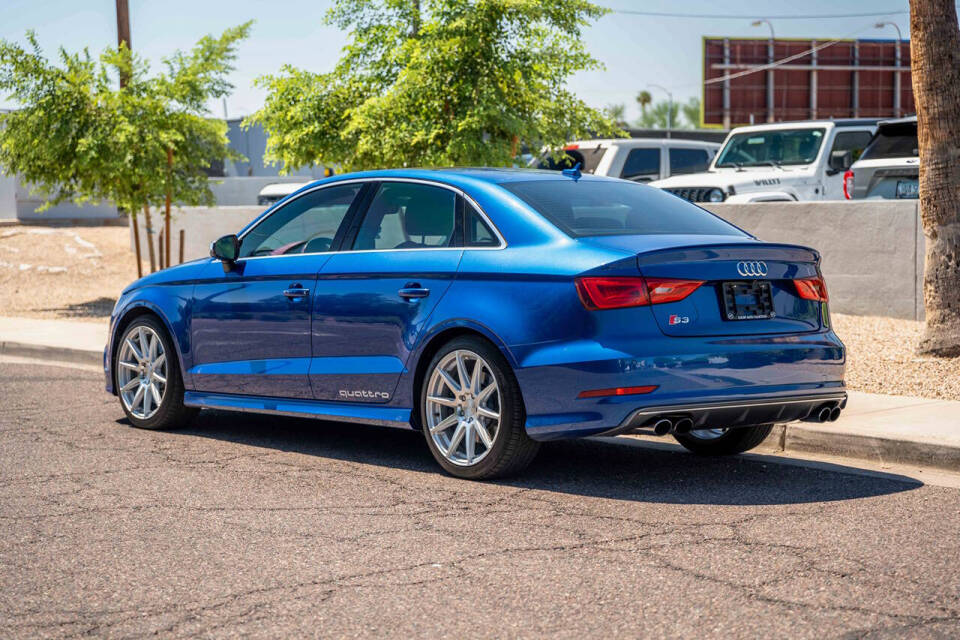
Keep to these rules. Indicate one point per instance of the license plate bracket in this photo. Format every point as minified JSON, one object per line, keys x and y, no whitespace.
{"x":750,"y":300}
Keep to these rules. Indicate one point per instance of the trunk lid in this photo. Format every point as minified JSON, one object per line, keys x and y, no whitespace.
{"x":748,"y":288}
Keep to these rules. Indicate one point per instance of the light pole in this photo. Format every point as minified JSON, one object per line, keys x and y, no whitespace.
{"x":896,"y":74}
{"x":669,"y":105}
{"x":770,"y":60}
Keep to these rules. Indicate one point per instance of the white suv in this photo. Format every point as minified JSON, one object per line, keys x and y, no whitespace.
{"x":778,"y":162}
{"x":637,"y":159}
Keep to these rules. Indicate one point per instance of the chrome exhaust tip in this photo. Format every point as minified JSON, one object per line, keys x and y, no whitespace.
{"x":834,"y":414}
{"x":662,"y":427}
{"x":683,"y":425}
{"x":824,"y":414}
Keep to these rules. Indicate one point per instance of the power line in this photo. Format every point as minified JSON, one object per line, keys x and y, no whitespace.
{"x":752,"y":16}
{"x":772,"y":65}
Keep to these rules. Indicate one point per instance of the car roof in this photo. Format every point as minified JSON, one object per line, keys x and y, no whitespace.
{"x":807,"y":124}
{"x":643,"y":142}
{"x":464,"y":177}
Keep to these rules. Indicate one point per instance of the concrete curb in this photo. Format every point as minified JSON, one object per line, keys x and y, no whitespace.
{"x":48,"y":352}
{"x":801,"y":437}
{"x":818,"y":440}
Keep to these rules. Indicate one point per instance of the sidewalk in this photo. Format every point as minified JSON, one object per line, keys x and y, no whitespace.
{"x":880,"y":428}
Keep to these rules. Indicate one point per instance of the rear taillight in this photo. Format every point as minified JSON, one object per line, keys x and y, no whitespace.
{"x":812,"y":289}
{"x":848,"y":185}
{"x":612,"y":293}
{"x":619,"y":292}
{"x":662,"y":290}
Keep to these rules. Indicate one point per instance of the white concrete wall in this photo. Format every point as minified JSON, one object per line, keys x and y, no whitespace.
{"x":8,"y":197}
{"x":872,"y":250}
{"x":201,"y":226}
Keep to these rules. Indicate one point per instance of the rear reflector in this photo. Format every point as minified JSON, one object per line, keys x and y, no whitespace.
{"x":619,"y":292}
{"x":617,"y":391}
{"x":812,"y":289}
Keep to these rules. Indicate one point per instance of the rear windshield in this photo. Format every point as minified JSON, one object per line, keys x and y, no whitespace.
{"x":599,"y":208}
{"x":893,"y":141}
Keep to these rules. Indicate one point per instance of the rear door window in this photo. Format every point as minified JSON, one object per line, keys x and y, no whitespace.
{"x":406,"y":215}
{"x":852,"y":141}
{"x":688,"y":161}
{"x":642,"y":165}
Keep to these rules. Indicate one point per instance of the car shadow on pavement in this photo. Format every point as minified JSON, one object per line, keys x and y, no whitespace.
{"x":612,"y":468}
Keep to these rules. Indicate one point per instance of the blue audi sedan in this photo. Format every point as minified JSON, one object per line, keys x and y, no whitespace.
{"x":490,"y":309}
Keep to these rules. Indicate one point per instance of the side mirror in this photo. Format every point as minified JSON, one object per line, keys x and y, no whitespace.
{"x":226,"y":249}
{"x":840,"y":161}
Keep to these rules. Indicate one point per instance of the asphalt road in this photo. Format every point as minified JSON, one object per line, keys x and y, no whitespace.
{"x":278,"y":527}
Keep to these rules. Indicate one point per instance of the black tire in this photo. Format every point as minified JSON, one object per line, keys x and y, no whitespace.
{"x":512,"y":449}
{"x":171,"y":413}
{"x":732,"y":442}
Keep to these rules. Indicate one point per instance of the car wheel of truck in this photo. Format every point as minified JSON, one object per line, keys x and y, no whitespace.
{"x":724,"y":442}
{"x":472,"y":412}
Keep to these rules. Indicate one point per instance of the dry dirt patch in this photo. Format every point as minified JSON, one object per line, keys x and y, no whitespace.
{"x":63,"y":272}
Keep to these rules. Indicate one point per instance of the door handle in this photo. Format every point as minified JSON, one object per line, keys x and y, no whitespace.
{"x":296,"y":291}
{"x":413,"y":290}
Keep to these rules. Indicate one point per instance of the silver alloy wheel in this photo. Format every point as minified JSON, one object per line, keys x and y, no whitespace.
{"x":142,"y":372}
{"x":708,"y":434}
{"x":463,"y":407}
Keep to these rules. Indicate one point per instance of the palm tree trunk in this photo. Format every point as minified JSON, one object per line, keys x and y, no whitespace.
{"x":935,"y":67}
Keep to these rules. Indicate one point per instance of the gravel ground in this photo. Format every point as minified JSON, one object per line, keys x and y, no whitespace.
{"x":83,"y":269}
{"x":881,"y":358}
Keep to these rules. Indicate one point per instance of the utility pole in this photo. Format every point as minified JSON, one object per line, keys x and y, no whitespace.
{"x":896,"y":74}
{"x":123,"y":39}
{"x":123,"y":31}
{"x":771,"y":58}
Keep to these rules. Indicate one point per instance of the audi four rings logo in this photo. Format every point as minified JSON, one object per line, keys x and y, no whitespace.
{"x":755,"y":268}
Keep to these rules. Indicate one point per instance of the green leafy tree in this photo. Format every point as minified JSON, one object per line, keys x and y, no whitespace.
{"x":617,"y":113}
{"x":436,"y":83}
{"x":77,"y":136}
{"x":691,"y":112}
{"x":644,"y":99}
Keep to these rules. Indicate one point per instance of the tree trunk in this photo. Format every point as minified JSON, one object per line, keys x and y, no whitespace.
{"x":149,"y":233}
{"x":136,"y":243}
{"x":935,"y":66}
{"x":166,"y":211}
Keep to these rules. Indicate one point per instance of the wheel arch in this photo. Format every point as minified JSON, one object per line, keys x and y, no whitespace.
{"x":432,"y":343}
{"x":138,"y":309}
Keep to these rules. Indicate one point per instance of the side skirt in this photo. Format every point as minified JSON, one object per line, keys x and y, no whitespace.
{"x":336,"y":411}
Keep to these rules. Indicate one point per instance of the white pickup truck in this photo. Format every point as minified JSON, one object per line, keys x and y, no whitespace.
{"x":778,"y":162}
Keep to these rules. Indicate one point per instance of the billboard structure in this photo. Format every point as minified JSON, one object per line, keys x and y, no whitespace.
{"x":761,"y":80}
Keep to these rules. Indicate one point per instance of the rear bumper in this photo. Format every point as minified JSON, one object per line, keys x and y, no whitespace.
{"x":770,"y":378}
{"x":731,"y":414}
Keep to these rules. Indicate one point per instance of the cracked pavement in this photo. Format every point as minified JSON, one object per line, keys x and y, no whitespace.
{"x":267,"y":526}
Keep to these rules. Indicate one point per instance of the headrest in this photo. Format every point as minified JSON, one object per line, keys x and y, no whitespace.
{"x":429,"y":213}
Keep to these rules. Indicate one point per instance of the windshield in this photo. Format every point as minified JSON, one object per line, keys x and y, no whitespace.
{"x":771,"y":148}
{"x":607,"y":207}
{"x":893,"y":141}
